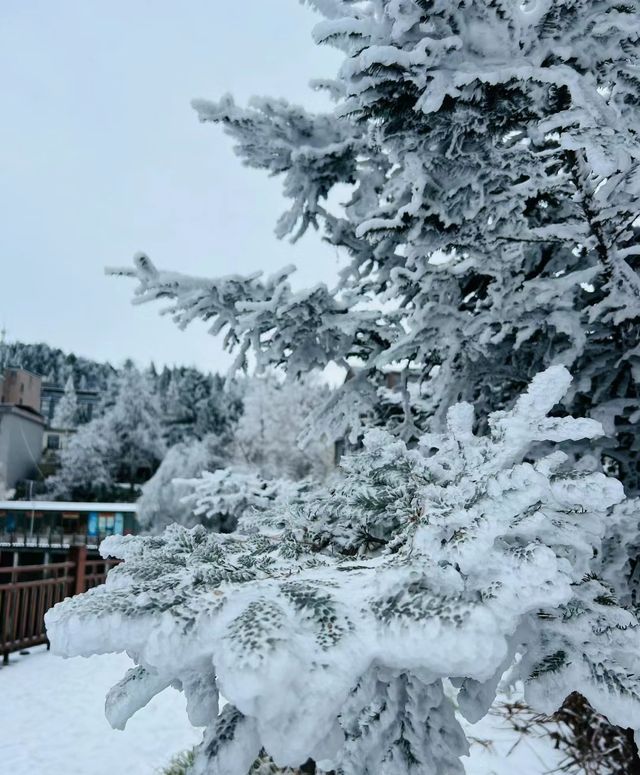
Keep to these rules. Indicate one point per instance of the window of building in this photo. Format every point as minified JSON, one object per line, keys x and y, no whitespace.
{"x":53,"y":441}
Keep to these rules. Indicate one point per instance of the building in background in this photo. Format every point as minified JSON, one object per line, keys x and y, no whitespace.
{"x":21,"y":426}
{"x":66,"y":521}
{"x":20,"y":387}
{"x":51,"y":394}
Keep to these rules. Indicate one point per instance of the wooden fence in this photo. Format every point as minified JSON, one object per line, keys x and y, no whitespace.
{"x":27,"y":592}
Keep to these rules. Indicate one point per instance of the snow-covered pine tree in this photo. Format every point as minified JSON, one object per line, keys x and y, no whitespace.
{"x":195,"y":405}
{"x":275,"y":415}
{"x":135,"y":421}
{"x":122,"y":445}
{"x":334,"y":629}
{"x":65,"y":415}
{"x":492,"y":153}
{"x":162,"y":500}
{"x":88,"y":464}
{"x":56,"y":366}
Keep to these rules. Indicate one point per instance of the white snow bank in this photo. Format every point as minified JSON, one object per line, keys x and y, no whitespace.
{"x":52,"y":720}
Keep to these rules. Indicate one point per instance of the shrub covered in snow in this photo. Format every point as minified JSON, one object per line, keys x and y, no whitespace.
{"x":330,"y":627}
{"x":162,"y":501}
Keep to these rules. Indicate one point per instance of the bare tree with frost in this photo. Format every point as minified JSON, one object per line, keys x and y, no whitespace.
{"x":274,"y":416}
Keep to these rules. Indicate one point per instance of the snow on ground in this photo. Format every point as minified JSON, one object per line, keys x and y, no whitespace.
{"x":52,"y":720}
{"x":498,"y":750}
{"x":52,"y":723}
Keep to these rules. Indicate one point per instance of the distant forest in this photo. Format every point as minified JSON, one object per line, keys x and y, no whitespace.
{"x":139,"y":415}
{"x":189,"y":402}
{"x":56,"y":366}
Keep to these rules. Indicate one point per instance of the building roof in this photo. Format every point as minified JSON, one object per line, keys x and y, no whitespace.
{"x":48,"y":387}
{"x":24,"y":411}
{"x":65,"y":506}
{"x":21,"y":368}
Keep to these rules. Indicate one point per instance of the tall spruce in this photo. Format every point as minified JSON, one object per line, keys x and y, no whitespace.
{"x":65,"y":415}
{"x":492,"y":157}
{"x":492,"y":153}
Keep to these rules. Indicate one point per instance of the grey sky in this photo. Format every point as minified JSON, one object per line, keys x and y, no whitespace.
{"x":101,"y":156}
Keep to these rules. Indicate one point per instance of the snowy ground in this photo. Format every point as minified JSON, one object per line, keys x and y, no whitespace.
{"x":498,"y":750}
{"x":52,"y":720}
{"x":52,"y":723}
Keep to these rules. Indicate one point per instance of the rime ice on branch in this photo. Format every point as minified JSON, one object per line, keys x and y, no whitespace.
{"x":492,"y":158}
{"x":330,"y":627}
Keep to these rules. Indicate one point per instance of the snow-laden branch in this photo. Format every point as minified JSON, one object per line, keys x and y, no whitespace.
{"x":331,"y":644}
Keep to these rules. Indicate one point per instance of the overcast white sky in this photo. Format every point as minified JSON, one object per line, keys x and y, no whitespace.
{"x":101,"y":156}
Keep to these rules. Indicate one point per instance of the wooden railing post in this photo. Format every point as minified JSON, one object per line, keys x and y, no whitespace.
{"x":78,"y":555}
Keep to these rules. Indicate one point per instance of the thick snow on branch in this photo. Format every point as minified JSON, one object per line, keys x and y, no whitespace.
{"x":330,"y":625}
{"x":305,"y":329}
{"x":486,"y":160}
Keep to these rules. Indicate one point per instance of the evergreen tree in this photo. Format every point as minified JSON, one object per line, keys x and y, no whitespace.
{"x":134,"y":420}
{"x":88,"y":465}
{"x":195,"y":405}
{"x":123,"y":446}
{"x":54,"y":365}
{"x":492,"y":156}
{"x":65,"y":415}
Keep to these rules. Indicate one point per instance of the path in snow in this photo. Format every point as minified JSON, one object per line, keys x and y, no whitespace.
{"x":52,"y":723}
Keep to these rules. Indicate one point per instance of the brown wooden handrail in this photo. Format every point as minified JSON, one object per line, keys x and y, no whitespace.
{"x":34,"y":568}
{"x":24,"y":602}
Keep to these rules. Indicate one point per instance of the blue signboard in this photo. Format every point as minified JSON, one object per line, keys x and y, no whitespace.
{"x":92,"y":523}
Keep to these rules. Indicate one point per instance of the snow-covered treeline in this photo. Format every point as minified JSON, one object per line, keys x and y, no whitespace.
{"x":56,"y":366}
{"x":212,"y":481}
